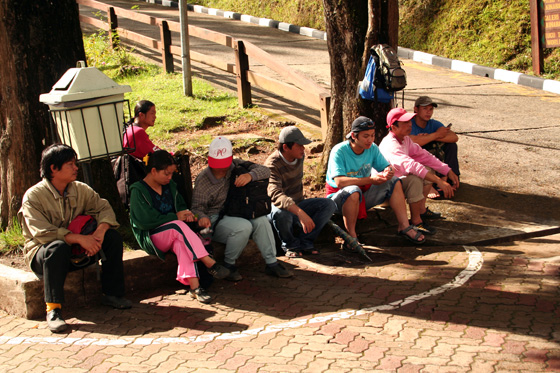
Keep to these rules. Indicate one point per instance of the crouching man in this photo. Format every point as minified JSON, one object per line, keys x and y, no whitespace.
{"x":47,"y":210}
{"x":297,"y":220}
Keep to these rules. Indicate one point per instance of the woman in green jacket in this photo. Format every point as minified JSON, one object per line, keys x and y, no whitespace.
{"x":158,"y":216}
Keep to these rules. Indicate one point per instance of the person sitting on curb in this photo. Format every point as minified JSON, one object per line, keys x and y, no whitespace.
{"x":414,"y":166}
{"x":433,"y":136}
{"x":158,"y":216}
{"x":209,"y":196}
{"x":47,"y":210}
{"x":359,"y":178}
{"x":297,"y":220}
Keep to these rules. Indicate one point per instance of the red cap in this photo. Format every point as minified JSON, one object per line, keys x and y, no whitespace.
{"x":398,"y":115}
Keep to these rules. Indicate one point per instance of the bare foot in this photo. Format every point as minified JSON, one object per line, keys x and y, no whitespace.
{"x":433,"y":194}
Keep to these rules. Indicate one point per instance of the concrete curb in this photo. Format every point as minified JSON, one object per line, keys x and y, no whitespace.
{"x":548,"y":85}
{"x":489,"y":72}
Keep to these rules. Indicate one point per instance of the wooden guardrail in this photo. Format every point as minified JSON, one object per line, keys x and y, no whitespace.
{"x":298,"y":88}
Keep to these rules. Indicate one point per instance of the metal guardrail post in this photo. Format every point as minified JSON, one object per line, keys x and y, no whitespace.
{"x":166,"y":56}
{"x":243,"y":85}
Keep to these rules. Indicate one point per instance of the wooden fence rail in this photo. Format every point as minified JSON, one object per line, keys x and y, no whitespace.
{"x":299,"y":88}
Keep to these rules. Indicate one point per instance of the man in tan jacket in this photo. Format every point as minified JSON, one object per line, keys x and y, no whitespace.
{"x":47,"y":210}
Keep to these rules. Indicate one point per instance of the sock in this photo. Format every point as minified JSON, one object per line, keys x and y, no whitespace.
{"x":53,"y":306}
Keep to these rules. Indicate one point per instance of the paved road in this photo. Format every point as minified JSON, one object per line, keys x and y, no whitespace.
{"x":451,"y":306}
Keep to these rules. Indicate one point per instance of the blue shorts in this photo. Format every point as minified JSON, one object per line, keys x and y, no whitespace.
{"x":375,"y":195}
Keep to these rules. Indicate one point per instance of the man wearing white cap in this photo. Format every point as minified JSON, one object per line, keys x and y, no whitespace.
{"x":209,"y":196}
{"x":414,"y":166}
{"x":297,"y":220}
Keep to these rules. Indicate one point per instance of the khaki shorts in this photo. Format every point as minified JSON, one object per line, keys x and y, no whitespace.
{"x":413,"y":188}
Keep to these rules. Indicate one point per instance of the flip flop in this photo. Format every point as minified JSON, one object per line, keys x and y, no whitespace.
{"x":414,"y":239}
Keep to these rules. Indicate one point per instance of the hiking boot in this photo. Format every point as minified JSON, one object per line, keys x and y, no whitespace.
{"x":218,"y":271}
{"x":278,"y":270}
{"x":429,"y":214}
{"x":201,"y":295}
{"x":116,"y":302}
{"x":55,"y":322}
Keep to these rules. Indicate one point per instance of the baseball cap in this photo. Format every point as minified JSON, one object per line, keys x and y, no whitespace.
{"x":424,"y":101}
{"x":398,"y":115}
{"x":361,"y":124}
{"x":293,"y":134}
{"x":220,"y":153}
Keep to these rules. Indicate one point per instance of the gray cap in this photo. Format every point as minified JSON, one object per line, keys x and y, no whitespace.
{"x":293,"y":134}
{"x":424,"y":101}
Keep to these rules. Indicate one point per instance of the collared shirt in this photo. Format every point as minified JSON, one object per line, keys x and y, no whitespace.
{"x":45,"y":214}
{"x":409,"y":158}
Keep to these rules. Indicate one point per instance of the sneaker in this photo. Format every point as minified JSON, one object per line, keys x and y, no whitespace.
{"x":426,"y":229}
{"x":219,"y":271}
{"x":55,"y":322}
{"x":429,"y":214}
{"x":201,"y":295}
{"x":234,"y":274}
{"x":278,"y":270}
{"x":116,"y":302}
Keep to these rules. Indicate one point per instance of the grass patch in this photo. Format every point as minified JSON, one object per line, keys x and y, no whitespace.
{"x":175,"y":111}
{"x":11,"y":239}
{"x":490,"y":33}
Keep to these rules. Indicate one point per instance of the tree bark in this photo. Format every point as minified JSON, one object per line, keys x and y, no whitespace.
{"x":39,"y":42}
{"x":353,"y":27}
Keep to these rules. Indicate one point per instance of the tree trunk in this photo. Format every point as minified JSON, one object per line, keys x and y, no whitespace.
{"x":39,"y":41}
{"x":353,"y":27}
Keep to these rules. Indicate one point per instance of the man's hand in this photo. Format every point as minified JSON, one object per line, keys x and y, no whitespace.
{"x":447,"y":189}
{"x":441,"y":132}
{"x":242,"y":180}
{"x":186,"y":215}
{"x":389,"y":172}
{"x":306,"y":222}
{"x":204,"y":222}
{"x":89,"y":243}
{"x":380,"y":178}
{"x":454,"y":178}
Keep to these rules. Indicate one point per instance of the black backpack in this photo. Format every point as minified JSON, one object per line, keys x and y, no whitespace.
{"x":390,"y":75}
{"x":250,"y":201}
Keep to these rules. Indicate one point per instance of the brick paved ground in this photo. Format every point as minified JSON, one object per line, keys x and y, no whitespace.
{"x":446,"y":309}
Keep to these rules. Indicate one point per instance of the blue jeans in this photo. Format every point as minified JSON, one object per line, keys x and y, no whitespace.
{"x":289,"y":227}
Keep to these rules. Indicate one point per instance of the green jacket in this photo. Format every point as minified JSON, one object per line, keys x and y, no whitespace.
{"x":144,"y":217}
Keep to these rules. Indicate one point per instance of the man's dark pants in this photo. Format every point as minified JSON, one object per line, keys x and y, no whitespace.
{"x":52,"y":263}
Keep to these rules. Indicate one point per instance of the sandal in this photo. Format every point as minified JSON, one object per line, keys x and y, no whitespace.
{"x":416,"y":239}
{"x":425,"y":228}
{"x":293,"y":254}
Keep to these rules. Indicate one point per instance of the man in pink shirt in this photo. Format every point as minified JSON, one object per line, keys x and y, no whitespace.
{"x":415,"y":166}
